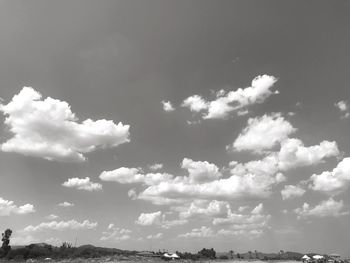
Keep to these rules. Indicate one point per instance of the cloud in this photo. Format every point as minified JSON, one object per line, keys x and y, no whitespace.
{"x":258,"y":209}
{"x":166,"y":224}
{"x":256,"y":219}
{"x":8,"y":207}
{"x":61,"y":225}
{"x":52,"y":217}
{"x":242,"y":183}
{"x":335,"y":181}
{"x":200,"y":172}
{"x":252,"y":179}
{"x":159,"y":219}
{"x":156,"y":236}
{"x":213,"y":208}
{"x":66,"y":204}
{"x":147,"y":219}
{"x":250,"y":234}
{"x":203,"y":232}
{"x":230,"y":188}
{"x":343,"y":107}
{"x":82,"y":184}
{"x":167,"y":106}
{"x":155,"y":167}
{"x":116,"y":234}
{"x":294,"y":154}
{"x":195,"y":103}
{"x":126,"y":175}
{"x":263,"y":133}
{"x":237,"y":100}
{"x":292,"y":191}
{"x":327,"y":208}
{"x":50,"y":130}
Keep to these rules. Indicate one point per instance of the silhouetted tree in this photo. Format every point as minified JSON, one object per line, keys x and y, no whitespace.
{"x":66,"y":245}
{"x":6,"y":240}
{"x":231,"y":253}
{"x":207,"y":253}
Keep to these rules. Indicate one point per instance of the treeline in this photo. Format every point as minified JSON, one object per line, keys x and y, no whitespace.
{"x":250,"y":255}
{"x":66,"y":250}
{"x":205,"y":253}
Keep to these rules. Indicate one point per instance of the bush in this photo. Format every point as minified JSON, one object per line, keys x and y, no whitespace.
{"x":223,"y":257}
{"x":207,"y":253}
{"x":18,"y":254}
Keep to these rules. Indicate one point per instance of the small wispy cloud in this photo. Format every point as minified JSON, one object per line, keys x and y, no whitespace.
{"x":167,"y":106}
{"x":82,"y":184}
{"x":343,"y":107}
{"x":66,"y":204}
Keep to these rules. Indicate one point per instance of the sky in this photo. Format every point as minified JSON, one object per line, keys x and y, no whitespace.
{"x":176,"y":125}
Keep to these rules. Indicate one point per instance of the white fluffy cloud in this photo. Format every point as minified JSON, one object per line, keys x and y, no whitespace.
{"x":156,"y":236}
{"x":167,"y":106}
{"x":256,"y":219}
{"x":202,"y":232}
{"x":166,"y":224}
{"x":52,"y":217}
{"x":292,"y":191}
{"x":116,"y":234}
{"x":225,"y":103}
{"x":230,"y":188}
{"x":241,"y":183}
{"x":126,"y":175}
{"x":343,"y":107}
{"x":8,"y":207}
{"x":333,"y":182}
{"x":155,"y":167}
{"x":195,"y":103}
{"x":66,"y":204}
{"x":326,"y":208}
{"x":159,"y":219}
{"x":200,"y":172}
{"x":147,"y":219}
{"x":213,"y":208}
{"x":258,"y":209}
{"x":263,"y":133}
{"x":252,"y":179}
{"x":293,"y":153}
{"x":246,"y":233}
{"x":61,"y":225}
{"x":50,"y":130}
{"x":82,"y":184}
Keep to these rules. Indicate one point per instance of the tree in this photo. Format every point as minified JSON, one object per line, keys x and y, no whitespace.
{"x":207,"y":253}
{"x":6,"y":240}
{"x":231,"y":253}
{"x":66,"y":245}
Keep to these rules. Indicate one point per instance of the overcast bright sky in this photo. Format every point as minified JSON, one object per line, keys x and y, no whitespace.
{"x":176,"y":124}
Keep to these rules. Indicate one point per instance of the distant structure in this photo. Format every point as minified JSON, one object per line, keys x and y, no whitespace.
{"x":168,"y":256}
{"x":334,"y":258}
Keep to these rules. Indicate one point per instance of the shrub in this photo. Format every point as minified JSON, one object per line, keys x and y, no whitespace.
{"x":18,"y":254}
